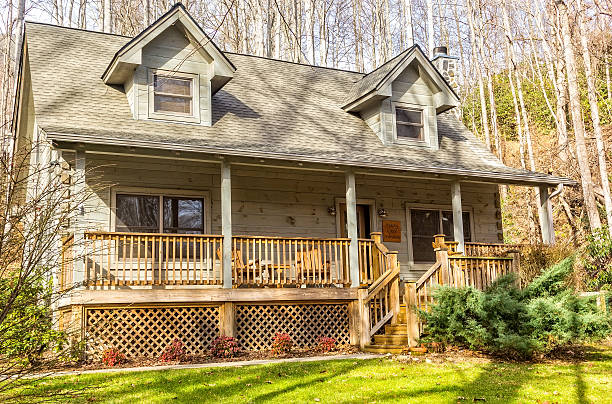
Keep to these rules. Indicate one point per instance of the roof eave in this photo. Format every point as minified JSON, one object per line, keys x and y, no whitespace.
{"x":529,"y":179}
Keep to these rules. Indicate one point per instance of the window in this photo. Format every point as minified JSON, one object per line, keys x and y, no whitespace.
{"x":183,"y":215}
{"x":409,"y":123}
{"x":172,"y":94}
{"x":142,"y":213}
{"x":425,"y":223}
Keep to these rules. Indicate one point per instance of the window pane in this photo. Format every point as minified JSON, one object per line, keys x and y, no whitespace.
{"x":447,"y":226}
{"x":408,"y":115}
{"x":137,"y":213}
{"x":172,"y":85}
{"x":422,"y":250}
{"x":166,"y":103}
{"x":183,"y":215}
{"x":409,"y":131}
{"x":425,"y":224}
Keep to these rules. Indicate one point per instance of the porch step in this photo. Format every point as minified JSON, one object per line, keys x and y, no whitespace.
{"x":385,"y":348}
{"x":396,"y":329}
{"x":391,"y":339}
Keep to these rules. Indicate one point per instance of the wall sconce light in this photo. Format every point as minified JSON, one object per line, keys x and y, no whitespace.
{"x":331,"y":210}
{"x":382,"y":212}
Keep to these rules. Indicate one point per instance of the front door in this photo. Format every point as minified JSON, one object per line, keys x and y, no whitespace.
{"x":363,"y":221}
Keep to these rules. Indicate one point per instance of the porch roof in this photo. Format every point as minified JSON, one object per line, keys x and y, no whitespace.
{"x":270,"y":109}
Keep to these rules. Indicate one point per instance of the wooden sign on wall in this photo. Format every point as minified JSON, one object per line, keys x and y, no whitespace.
{"x":392,"y":231}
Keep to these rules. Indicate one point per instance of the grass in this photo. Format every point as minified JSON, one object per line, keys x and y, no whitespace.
{"x":350,"y":381}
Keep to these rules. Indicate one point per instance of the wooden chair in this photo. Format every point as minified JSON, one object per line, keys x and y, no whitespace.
{"x":239,"y":268}
{"x":310,"y":267}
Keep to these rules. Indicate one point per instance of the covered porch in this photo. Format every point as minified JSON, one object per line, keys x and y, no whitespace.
{"x":266,"y":223}
{"x":245,"y":245}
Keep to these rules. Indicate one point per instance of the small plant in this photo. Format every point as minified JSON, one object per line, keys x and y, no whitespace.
{"x":326,"y":344}
{"x":225,"y":347}
{"x":175,"y":352}
{"x":281,"y":343}
{"x":112,"y":357}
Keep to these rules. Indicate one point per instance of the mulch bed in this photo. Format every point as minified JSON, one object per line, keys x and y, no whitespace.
{"x":195,"y":359}
{"x":566,"y":354}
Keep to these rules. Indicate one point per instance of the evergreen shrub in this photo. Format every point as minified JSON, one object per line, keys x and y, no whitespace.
{"x":510,"y":321}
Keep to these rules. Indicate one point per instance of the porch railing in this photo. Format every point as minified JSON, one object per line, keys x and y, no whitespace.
{"x":491,"y":249}
{"x":66,"y":263}
{"x":152,"y":259}
{"x":380,"y":302}
{"x":124,"y":259}
{"x":457,"y":270}
{"x":290,"y":261}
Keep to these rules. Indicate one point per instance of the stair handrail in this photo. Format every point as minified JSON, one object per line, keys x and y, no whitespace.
{"x":430,"y":272}
{"x":380,"y":303}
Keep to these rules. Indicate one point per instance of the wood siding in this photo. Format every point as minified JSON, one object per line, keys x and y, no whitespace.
{"x":277,"y":202}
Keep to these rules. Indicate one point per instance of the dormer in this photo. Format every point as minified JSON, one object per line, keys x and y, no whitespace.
{"x":401,"y":99}
{"x":171,"y":70}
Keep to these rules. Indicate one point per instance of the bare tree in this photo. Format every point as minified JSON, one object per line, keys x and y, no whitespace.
{"x":592,"y":96}
{"x":578,"y":124}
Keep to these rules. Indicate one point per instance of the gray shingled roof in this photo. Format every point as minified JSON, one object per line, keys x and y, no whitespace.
{"x":270,"y":109}
{"x":371,"y":80}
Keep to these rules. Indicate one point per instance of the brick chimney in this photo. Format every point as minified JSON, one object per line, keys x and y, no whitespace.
{"x":447,"y":65}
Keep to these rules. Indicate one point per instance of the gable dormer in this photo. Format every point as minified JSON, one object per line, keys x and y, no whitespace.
{"x":171,"y":70}
{"x":401,"y":99}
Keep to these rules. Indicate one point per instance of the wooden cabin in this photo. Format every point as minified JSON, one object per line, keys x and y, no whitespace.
{"x":241,"y":195}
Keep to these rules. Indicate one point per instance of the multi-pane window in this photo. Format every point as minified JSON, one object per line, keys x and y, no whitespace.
{"x":425,"y":223}
{"x":172,"y":94}
{"x":142,"y":213}
{"x":409,"y":123}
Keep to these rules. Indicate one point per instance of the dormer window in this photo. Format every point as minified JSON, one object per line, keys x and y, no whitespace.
{"x":409,"y":123}
{"x":172,"y":94}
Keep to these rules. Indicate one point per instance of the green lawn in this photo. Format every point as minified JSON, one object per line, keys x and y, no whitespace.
{"x":351,"y":381}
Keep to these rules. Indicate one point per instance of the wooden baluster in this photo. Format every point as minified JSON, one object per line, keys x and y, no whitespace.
{"x":202,"y":240}
{"x":211,"y":254}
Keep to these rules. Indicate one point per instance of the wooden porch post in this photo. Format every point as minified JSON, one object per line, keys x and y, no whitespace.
{"x":545,"y":214}
{"x":364,"y":317}
{"x":457,"y":216}
{"x":79,"y":190}
{"x":412,"y":317}
{"x":226,"y":223}
{"x":351,"y":225}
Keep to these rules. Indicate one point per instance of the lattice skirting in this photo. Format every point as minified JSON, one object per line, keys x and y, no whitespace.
{"x":256,"y":325}
{"x":146,"y":331}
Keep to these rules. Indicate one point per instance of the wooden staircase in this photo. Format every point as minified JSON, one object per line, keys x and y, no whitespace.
{"x":395,"y":338}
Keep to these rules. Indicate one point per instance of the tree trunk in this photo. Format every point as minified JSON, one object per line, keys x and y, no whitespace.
{"x":408,"y":27}
{"x":578,"y":123}
{"x":430,"y":28}
{"x":476,"y":62}
{"x":108,"y":27}
{"x":148,"y":12}
{"x":608,"y":86}
{"x":592,"y":95}
{"x":309,"y":15}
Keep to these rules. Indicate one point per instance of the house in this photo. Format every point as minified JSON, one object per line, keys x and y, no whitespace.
{"x":240,"y":195}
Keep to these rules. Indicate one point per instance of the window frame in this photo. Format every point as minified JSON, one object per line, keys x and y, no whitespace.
{"x":423,"y":109}
{"x":440,"y":208}
{"x":161,"y":192}
{"x":194,"y":117}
